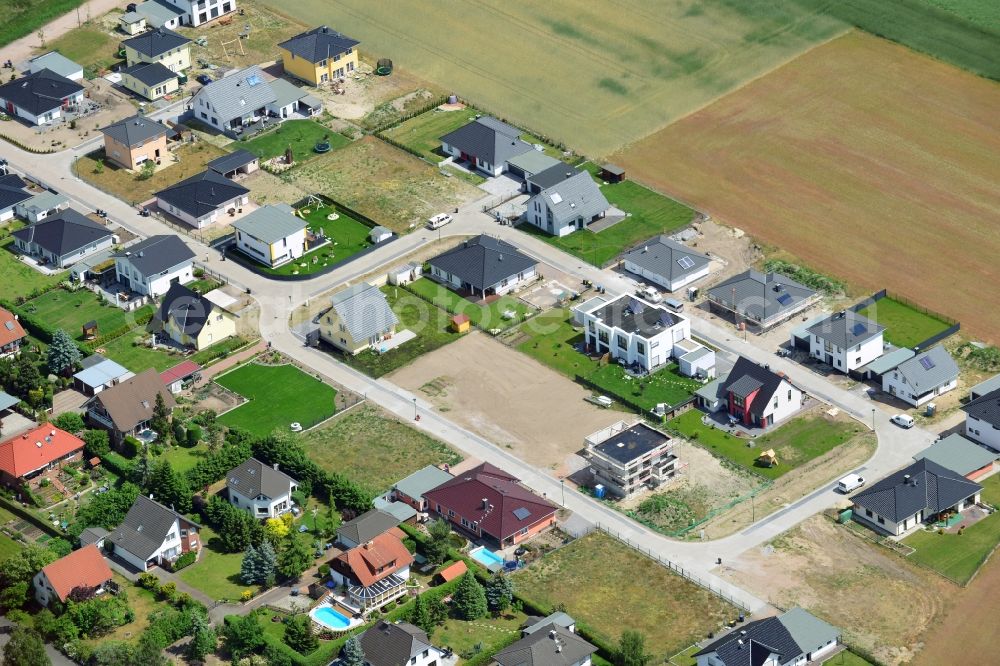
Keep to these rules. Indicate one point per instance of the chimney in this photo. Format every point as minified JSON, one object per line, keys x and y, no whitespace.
{"x":275,"y":467}
{"x":569,"y":174}
{"x":552,"y":634}
{"x":906,"y":478}
{"x":486,"y":503}
{"x":52,"y":433}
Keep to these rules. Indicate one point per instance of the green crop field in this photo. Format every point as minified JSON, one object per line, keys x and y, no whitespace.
{"x":22,"y":17}
{"x":278,"y":396}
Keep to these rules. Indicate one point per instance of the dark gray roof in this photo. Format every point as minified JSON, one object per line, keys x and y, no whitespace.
{"x":156,"y":42}
{"x":753,"y":642}
{"x":12,"y":191}
{"x":483,"y":261}
{"x":489,"y":139}
{"x":928,"y":370}
{"x":559,"y":618}
{"x":232,"y":161}
{"x":958,"y":454}
{"x":253,"y":478}
{"x":145,"y":527}
{"x":922,"y":486}
{"x":65,"y":233}
{"x":747,"y":377}
{"x":634,"y":315}
{"x":202,"y":193}
{"x":367,"y":526}
{"x":549,"y":645}
{"x":553,"y":175}
{"x":985,"y":408}
{"x":364,"y":310}
{"x":393,"y":644}
{"x":237,"y":94}
{"x":189,"y":310}
{"x":157,"y":253}
{"x":39,"y":92}
{"x":150,"y":73}
{"x":573,"y":197}
{"x":136,"y":130}
{"x":318,"y":44}
{"x":760,"y":296}
{"x":635,"y":442}
{"x":846,"y":329}
{"x":667,"y":258}
{"x":92,"y":535}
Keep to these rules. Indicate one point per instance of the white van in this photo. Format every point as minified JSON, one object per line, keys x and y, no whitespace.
{"x":649,"y":294}
{"x":438,"y":221}
{"x":850,"y":482}
{"x":903,"y":420}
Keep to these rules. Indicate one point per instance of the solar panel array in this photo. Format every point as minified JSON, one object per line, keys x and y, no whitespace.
{"x":785,"y":299}
{"x":685,"y":262}
{"x":859,"y":328}
{"x":521,"y":513}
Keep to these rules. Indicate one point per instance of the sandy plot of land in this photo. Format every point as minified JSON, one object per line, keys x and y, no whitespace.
{"x":864,"y":159}
{"x":509,"y":398}
{"x":881,"y":601}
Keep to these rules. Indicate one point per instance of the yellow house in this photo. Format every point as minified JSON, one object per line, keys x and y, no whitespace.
{"x":191,"y":320}
{"x":163,"y":46}
{"x":150,"y":80}
{"x":319,"y":55}
{"x":360,"y":319}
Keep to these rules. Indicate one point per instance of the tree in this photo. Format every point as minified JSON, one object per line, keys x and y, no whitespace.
{"x":61,"y":547}
{"x":25,"y":648}
{"x":436,"y":548}
{"x":160,"y":421}
{"x":258,"y":564}
{"x":420,"y":616}
{"x":63,"y":354}
{"x":202,"y":638}
{"x":276,"y":529}
{"x":26,"y":376}
{"x":499,"y":593}
{"x":299,"y":635}
{"x":295,"y":557}
{"x":437,"y":611}
{"x":96,"y":443}
{"x":170,"y":488}
{"x":69,"y":421}
{"x":631,"y":650}
{"x":14,"y":595}
{"x":275,"y":656}
{"x":243,"y":635}
{"x":194,"y":435}
{"x":352,"y":654}
{"x":470,"y":598}
{"x":17,"y":571}
{"x":147,"y":170}
{"x":239,"y":529}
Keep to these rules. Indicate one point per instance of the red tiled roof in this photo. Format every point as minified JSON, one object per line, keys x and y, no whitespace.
{"x":84,"y":567}
{"x":460,"y":318}
{"x":509,"y":508}
{"x":36,"y":448}
{"x":10,"y":328}
{"x":180,"y":371}
{"x":364,"y":561}
{"x":453,"y":571}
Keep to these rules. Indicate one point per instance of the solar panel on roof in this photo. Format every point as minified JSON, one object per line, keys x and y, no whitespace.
{"x":859,"y":328}
{"x":685,"y":262}
{"x":521,"y":513}
{"x":635,"y":305}
{"x":785,"y":299}
{"x":927,"y":362}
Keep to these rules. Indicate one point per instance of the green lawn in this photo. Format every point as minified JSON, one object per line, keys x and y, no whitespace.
{"x":551,"y":339}
{"x":216,"y":573}
{"x":795,"y":442}
{"x":423,"y":133}
{"x":492,"y":634}
{"x":991,"y":490}
{"x":142,"y":602}
{"x":415,"y":314}
{"x":8,"y":547}
{"x":685,"y":658}
{"x":485,"y":317}
{"x":302,"y":135}
{"x":17,"y":278}
{"x":138,"y":357}
{"x":89,"y":45}
{"x":278,"y":396}
{"x":846,"y":658}
{"x":22,"y":17}
{"x":373,"y":449}
{"x":905,"y":326}
{"x":652,"y":214}
{"x":70,"y":310}
{"x":182,"y":458}
{"x":666,"y":385}
{"x":347,"y":235}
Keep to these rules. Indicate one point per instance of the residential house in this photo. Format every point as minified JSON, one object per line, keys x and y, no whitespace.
{"x":982,"y":419}
{"x":483,"y":266}
{"x":98,"y":374}
{"x":763,"y":299}
{"x":81,"y":569}
{"x":547,"y":645}
{"x":40,"y":97}
{"x":197,"y":12}
{"x":374,"y":573}
{"x":694,"y":359}
{"x":152,"y":535}
{"x":846,"y":340}
{"x":489,"y":503}
{"x":319,"y":55}
{"x":151,"y":80}
{"x":984,"y":387}
{"x":58,"y":63}
{"x":792,"y":639}
{"x":486,"y":143}
{"x":753,"y":395}
{"x":569,"y":204}
{"x":12,"y":334}
{"x":176,"y":377}
{"x":890,"y":359}
{"x":149,"y":267}
{"x":13,"y":191}
{"x":263,"y":490}
{"x":202,"y":198}
{"x":191,"y":320}
{"x":919,"y":493}
{"x":151,"y":14}
{"x":633,"y":330}
{"x":125,"y":409}
{"x":534,"y":623}
{"x":41,"y":205}
{"x":290,"y":99}
{"x":954,"y":452}
{"x":133,"y":23}
{"x":130,"y":142}
{"x":411,"y":490}
{"x":272,"y":235}
{"x":667,"y":263}
{"x":32,"y":453}
{"x":159,"y":45}
{"x":923,"y":377}
{"x":359,"y":319}
{"x":234,"y":101}
{"x":398,"y":644}
{"x":63,"y":239}
{"x":627,"y":458}
{"x":380,"y":234}
{"x":365,"y":528}
{"x":237,"y":163}
{"x":530,"y":164}
{"x":94,"y":536}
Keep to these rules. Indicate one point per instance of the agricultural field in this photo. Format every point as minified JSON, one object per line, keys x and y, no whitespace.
{"x":668,"y":59}
{"x":277,"y":395}
{"x":905,"y":326}
{"x":830,"y":145}
{"x":983,"y":13}
{"x":298,"y":134}
{"x":22,"y":17}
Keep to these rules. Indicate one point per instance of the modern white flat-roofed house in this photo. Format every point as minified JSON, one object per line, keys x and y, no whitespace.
{"x":795,"y":638}
{"x":272,"y":235}
{"x":629,"y":458}
{"x":196,"y":12}
{"x":153,"y":534}
{"x":982,"y":419}
{"x":40,"y":97}
{"x":263,"y":490}
{"x":846,"y":340}
{"x":151,"y":14}
{"x":149,"y":267}
{"x":763,"y":299}
{"x":667,"y":263}
{"x":569,"y":202}
{"x":632,"y":330}
{"x":483,"y":266}
{"x":201,"y":199}
{"x":923,"y":377}
{"x":486,"y":143}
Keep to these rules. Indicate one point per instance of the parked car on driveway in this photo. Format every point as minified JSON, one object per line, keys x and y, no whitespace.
{"x":203,"y":79}
{"x":903,"y":420}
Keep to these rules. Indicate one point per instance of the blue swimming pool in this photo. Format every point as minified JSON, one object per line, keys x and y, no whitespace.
{"x":490,"y":559}
{"x":327,"y":616}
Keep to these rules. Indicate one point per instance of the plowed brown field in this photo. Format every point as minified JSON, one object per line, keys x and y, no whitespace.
{"x":862,"y":158}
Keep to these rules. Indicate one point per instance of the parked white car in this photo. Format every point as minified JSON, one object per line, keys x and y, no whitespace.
{"x":438,"y":221}
{"x":649,"y":293}
{"x":903,"y":420}
{"x":850,"y":482}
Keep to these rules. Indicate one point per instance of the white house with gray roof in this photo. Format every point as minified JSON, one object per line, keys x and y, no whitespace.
{"x":238,"y":99}
{"x":846,"y":340}
{"x":667,"y":263}
{"x":923,"y":377}
{"x":763,"y":299}
{"x":486,"y":143}
{"x":982,"y":419}
{"x":263,"y":490}
{"x":483,"y":266}
{"x":571,"y":202}
{"x":792,"y":639}
{"x":359,"y":319}
{"x":272,"y":235}
{"x":149,"y":267}
{"x":58,"y":63}
{"x":152,"y":534}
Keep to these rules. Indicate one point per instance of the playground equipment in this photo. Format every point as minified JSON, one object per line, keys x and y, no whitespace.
{"x":383,"y":67}
{"x":238,"y":41}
